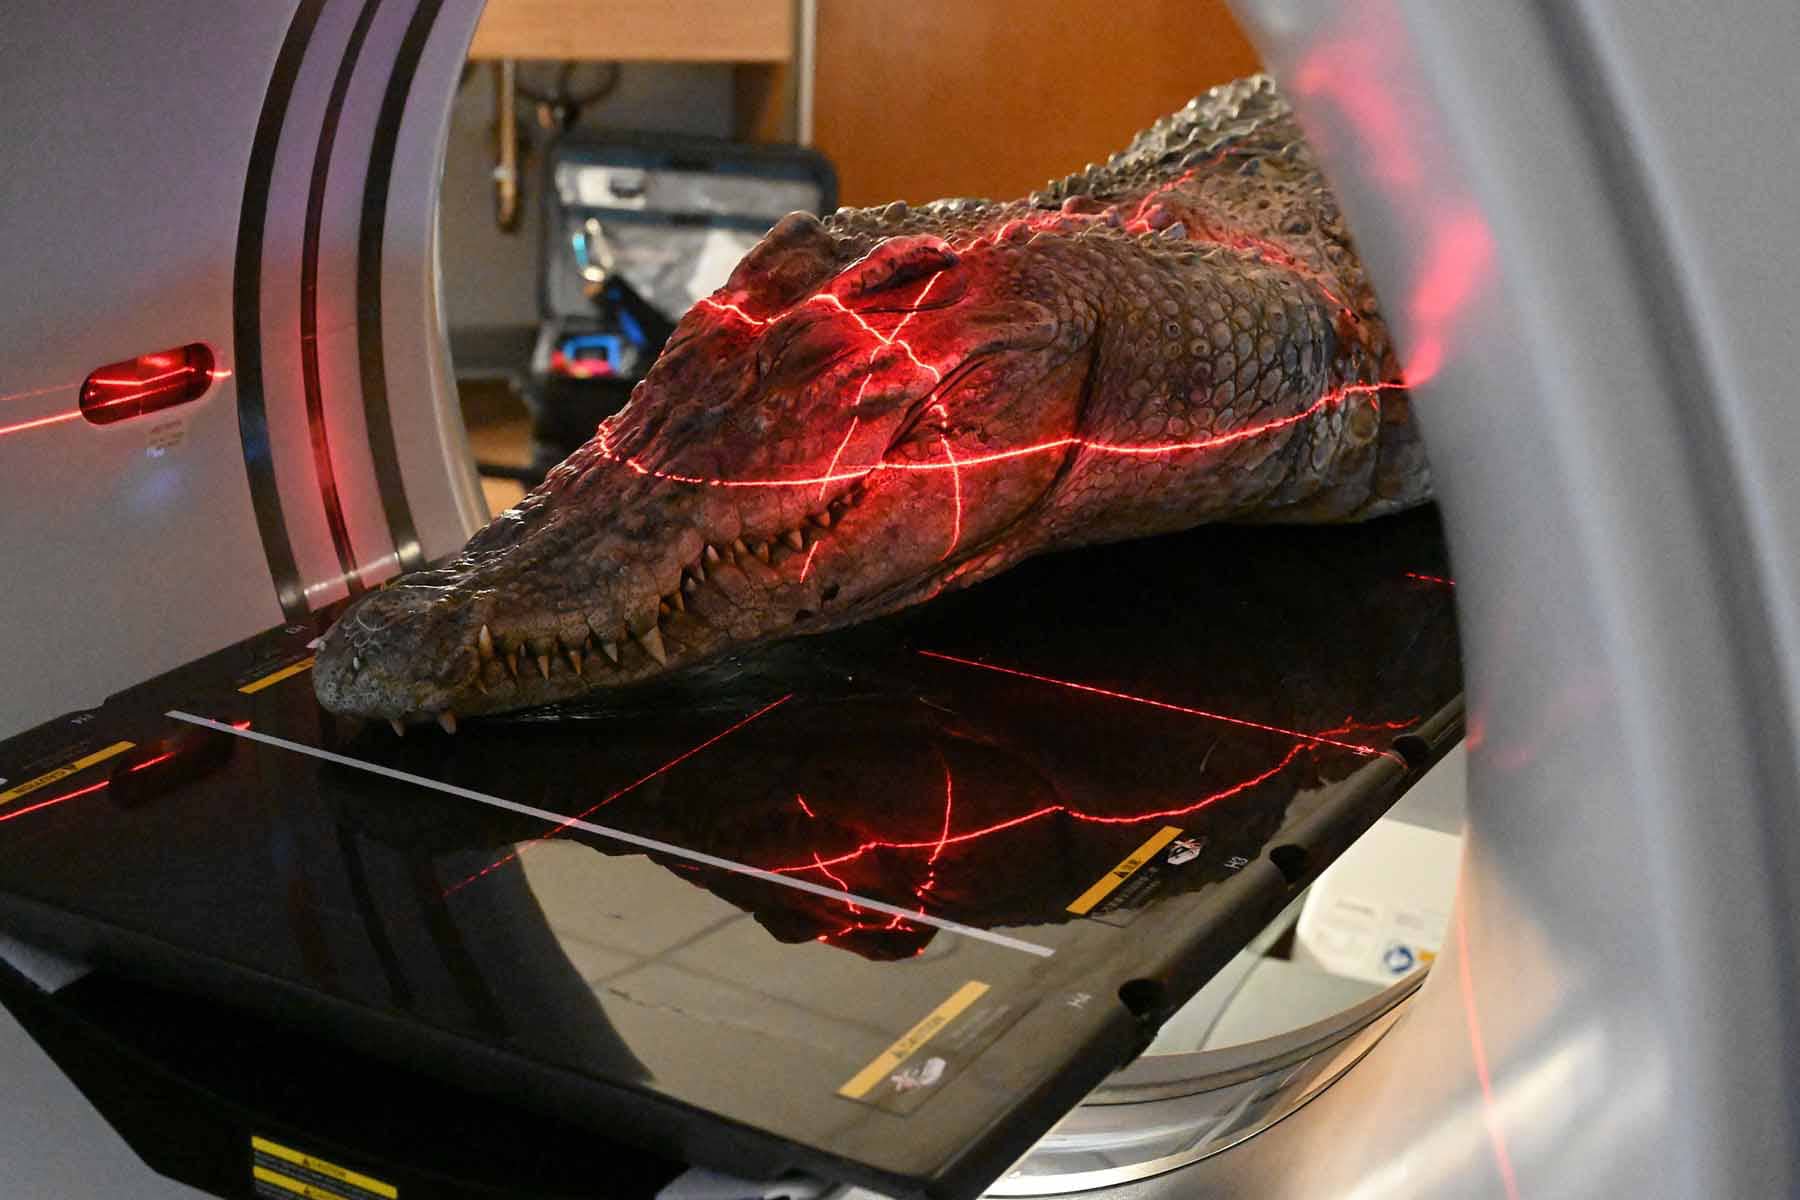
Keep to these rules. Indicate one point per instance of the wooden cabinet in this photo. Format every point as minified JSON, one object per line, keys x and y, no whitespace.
{"x":932,"y":98}
{"x":737,"y":31}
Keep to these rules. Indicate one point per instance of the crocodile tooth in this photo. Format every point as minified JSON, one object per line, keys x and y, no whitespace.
{"x":481,"y":683}
{"x":611,"y":650}
{"x":543,"y":664}
{"x":663,"y":609}
{"x":697,"y":573}
{"x":738,"y":547}
{"x":574,"y":659}
{"x":651,"y":641}
{"x":794,"y":540}
{"x":512,"y":660}
{"x":485,"y":641}
{"x":822,"y":519}
{"x":447,"y":720}
{"x":676,"y":602}
{"x":712,"y":553}
{"x":762,"y":551}
{"x":690,"y":585}
{"x":398,"y":727}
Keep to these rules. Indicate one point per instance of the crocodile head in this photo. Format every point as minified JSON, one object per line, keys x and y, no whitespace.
{"x":797,"y":459}
{"x":892,"y":402}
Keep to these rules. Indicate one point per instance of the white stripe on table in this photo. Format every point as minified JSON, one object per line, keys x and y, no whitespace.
{"x":620,"y":835}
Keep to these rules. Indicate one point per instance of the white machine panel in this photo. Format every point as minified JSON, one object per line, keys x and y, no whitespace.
{"x":117,"y":241}
{"x":281,"y":213}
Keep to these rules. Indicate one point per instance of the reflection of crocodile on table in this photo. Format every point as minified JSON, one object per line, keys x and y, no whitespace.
{"x":767,"y":916}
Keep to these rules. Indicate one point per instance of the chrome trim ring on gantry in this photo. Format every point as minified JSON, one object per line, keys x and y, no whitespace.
{"x":1167,"y":1111}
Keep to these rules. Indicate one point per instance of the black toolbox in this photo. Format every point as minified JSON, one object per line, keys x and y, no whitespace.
{"x":636,"y":228}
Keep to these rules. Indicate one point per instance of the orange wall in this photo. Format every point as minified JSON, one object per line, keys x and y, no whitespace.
{"x":918,"y":99}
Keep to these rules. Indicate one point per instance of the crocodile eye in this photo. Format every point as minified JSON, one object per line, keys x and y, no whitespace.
{"x":898,"y":261}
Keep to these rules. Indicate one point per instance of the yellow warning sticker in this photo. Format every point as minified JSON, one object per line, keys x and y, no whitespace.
{"x":912,"y":1041}
{"x":50,"y":777}
{"x":1085,"y":902}
{"x":270,"y":680}
{"x":281,"y":1172}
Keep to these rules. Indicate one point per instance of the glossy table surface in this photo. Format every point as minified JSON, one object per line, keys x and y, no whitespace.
{"x":862,"y":903}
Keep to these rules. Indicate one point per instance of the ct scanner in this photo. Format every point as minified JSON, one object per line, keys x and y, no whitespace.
{"x":1582,"y":215}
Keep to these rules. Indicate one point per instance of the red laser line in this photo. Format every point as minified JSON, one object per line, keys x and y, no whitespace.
{"x":1478,"y":1051}
{"x":1294,"y":751}
{"x":1335,"y":396}
{"x":632,"y":786}
{"x":22,"y":426}
{"x":951,"y":462}
{"x":58,"y":418}
{"x":1438,"y":579}
{"x":734,"y":310}
{"x":1139,"y":223}
{"x":1162,"y":704}
{"x":1048,"y":810}
{"x":806,"y":567}
{"x":1352,"y":725}
{"x":956,"y":496}
{"x":16,"y":813}
{"x":841,"y":885}
{"x":155,"y":385}
{"x":1243,"y":243}
{"x":943,"y":438}
{"x":128,"y":398}
{"x":834,"y":301}
{"x":949,"y":801}
{"x":1075,"y":814}
{"x":43,"y":391}
{"x":917,"y":304}
{"x":801,"y":801}
{"x":945,"y":839}
{"x":137,"y":397}
{"x":1051,"y":810}
{"x":840,"y":450}
{"x":831,"y":300}
{"x":94,"y":787}
{"x":150,"y":381}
